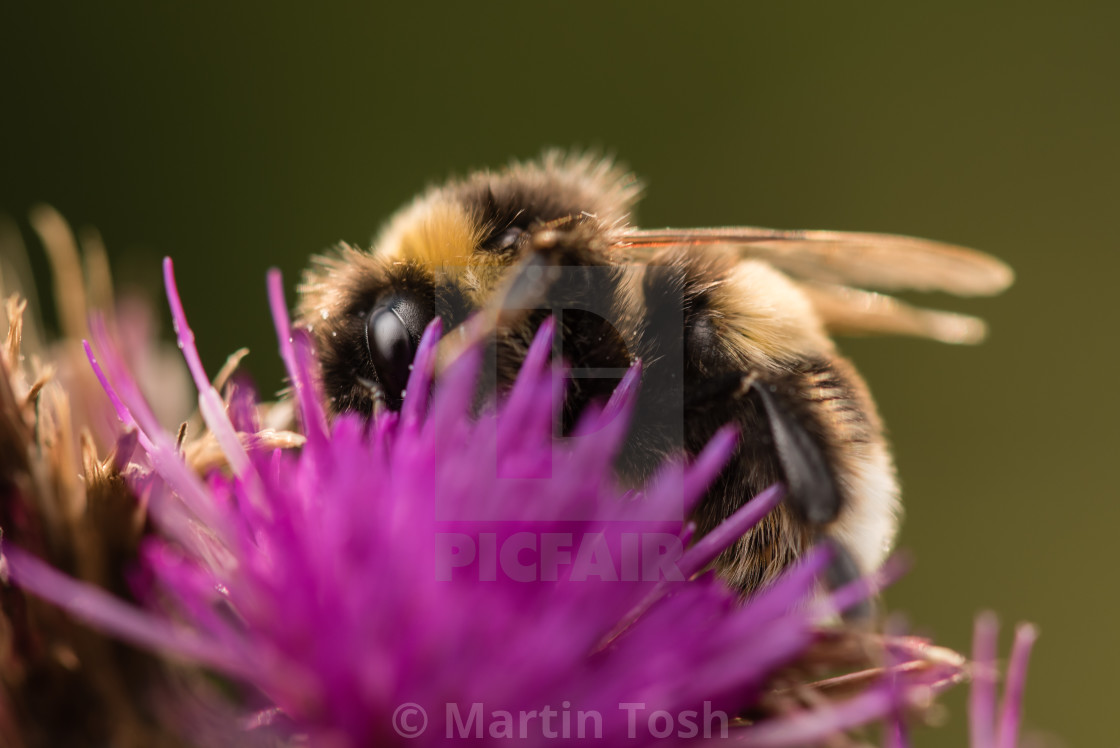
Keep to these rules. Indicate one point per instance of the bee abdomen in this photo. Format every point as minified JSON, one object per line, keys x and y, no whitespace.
{"x":828,"y":403}
{"x":804,"y":416}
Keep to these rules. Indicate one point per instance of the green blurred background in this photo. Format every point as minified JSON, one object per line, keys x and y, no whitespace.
{"x":237,"y":138}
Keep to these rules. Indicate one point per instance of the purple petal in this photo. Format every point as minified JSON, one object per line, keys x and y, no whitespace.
{"x":160,"y":447}
{"x":707,"y":465}
{"x":419,"y":385}
{"x":731,"y":529}
{"x":1011,"y":710}
{"x":122,"y":410}
{"x":311,"y":410}
{"x":209,"y":401}
{"x":864,"y":588}
{"x":982,"y":698}
{"x":822,"y":722}
{"x":99,"y":608}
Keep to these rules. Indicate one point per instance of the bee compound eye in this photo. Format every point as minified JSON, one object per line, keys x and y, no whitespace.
{"x":392,"y":333}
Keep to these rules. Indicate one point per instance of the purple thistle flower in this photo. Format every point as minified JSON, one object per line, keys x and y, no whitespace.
{"x":391,"y":577}
{"x":985,"y":729}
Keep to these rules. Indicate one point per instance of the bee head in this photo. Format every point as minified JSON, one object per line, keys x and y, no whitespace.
{"x":445,"y":255}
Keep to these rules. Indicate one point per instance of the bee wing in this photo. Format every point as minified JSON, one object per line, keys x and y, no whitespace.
{"x":879,"y":261}
{"x":851,"y":311}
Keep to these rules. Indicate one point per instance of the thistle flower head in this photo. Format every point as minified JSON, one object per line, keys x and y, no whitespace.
{"x":444,"y":572}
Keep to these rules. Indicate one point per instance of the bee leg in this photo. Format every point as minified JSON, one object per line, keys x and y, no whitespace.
{"x":843,"y":570}
{"x":813,"y":494}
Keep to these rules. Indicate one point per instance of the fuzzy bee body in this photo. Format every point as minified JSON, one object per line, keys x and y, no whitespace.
{"x":732,"y":327}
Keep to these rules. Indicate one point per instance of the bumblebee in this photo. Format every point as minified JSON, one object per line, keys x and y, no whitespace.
{"x":732,"y":326}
